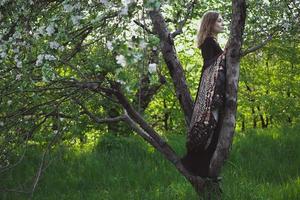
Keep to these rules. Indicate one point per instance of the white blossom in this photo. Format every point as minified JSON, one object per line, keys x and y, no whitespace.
{"x":44,"y":79}
{"x":17,"y":35}
{"x":40,"y":30}
{"x":286,"y":25}
{"x":121,"y":81}
{"x":121,"y":60}
{"x":9,"y":102}
{"x":68,"y":7}
{"x":109,"y":45}
{"x":77,"y":5}
{"x":16,"y":58}
{"x":126,"y":2}
{"x":18,"y":76}
{"x":267,"y":2}
{"x":61,"y":48}
{"x":137,"y":57}
{"x":54,"y":45}
{"x":75,"y":19}
{"x":19,"y":64}
{"x":1,"y":123}
{"x":190,"y":52}
{"x":3,"y":47}
{"x":180,"y":47}
{"x":260,"y":54}
{"x":143,"y":44}
{"x":50,"y":29}
{"x":130,"y":44}
{"x":2,"y":2}
{"x":105,"y":3}
{"x":27,"y":117}
{"x":16,"y":50}
{"x":97,"y":18}
{"x":152,"y":67}
{"x":49,"y":57}
{"x":3,"y":54}
{"x":124,"y":11}
{"x":97,"y":67}
{"x":43,"y":57}
{"x":39,"y":60}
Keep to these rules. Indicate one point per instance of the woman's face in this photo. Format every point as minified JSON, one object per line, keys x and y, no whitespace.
{"x":219,"y":26}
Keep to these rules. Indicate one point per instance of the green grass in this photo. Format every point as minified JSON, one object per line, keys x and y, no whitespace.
{"x":263,"y":164}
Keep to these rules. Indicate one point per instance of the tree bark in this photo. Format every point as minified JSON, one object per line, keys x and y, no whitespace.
{"x":253,"y":117}
{"x":173,"y":64}
{"x":232,"y":79}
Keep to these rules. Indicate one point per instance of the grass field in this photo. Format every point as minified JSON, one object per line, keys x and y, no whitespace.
{"x":263,"y":164}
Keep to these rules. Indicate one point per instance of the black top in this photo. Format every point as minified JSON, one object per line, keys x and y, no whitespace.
{"x":210,"y":50}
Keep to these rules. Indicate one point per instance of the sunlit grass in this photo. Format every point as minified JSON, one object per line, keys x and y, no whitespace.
{"x":263,"y":164}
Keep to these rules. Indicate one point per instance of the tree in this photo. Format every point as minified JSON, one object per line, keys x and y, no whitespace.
{"x":66,"y":66}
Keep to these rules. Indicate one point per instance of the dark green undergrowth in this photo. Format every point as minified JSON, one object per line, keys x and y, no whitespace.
{"x":263,"y":164}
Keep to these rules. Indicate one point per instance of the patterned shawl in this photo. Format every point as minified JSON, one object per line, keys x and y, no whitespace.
{"x":210,"y":96}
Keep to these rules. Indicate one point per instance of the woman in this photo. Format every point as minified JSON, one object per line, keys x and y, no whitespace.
{"x":208,"y":107}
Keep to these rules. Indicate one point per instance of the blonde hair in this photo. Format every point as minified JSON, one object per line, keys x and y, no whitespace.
{"x":206,"y":27}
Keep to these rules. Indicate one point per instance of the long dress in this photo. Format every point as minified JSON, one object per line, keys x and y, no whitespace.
{"x":208,"y":108}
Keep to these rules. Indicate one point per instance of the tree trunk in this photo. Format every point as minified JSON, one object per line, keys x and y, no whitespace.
{"x":166,"y":115}
{"x":173,"y":64}
{"x":243,"y":125}
{"x":254,"y":117}
{"x":232,"y":79}
{"x":263,"y":123}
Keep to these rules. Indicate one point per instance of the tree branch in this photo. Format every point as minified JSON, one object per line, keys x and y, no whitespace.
{"x":149,"y":134}
{"x":183,"y":22}
{"x":143,"y":26}
{"x":262,"y":44}
{"x":173,"y":64}
{"x":96,"y":118}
